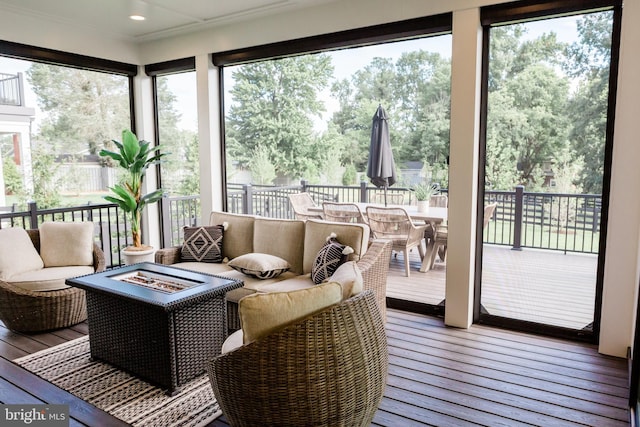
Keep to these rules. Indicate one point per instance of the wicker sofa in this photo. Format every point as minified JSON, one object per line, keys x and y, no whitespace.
{"x":295,"y":241}
{"x":24,"y":308}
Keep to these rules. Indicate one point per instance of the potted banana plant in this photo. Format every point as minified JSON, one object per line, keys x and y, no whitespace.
{"x":134,"y":156}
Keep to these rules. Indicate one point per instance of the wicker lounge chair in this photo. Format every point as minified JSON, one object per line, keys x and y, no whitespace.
{"x":329,"y":369}
{"x":33,"y":311}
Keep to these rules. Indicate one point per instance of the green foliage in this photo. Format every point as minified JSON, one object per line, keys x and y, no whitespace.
{"x":350,"y":176}
{"x":45,"y":183}
{"x":274,"y":103}
{"x":424,"y":191}
{"x":12,"y":177}
{"x":134,"y":157}
{"x":84,"y":108}
{"x":588,"y":62}
{"x":263,"y":172}
{"x":190,"y":181}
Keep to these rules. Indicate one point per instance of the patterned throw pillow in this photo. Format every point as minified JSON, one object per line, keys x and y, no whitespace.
{"x":203,"y":244}
{"x":259,"y":265}
{"x":328,"y":259}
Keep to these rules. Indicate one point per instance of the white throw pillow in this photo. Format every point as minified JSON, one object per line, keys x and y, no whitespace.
{"x":261,"y":314}
{"x":350,"y":278}
{"x":17,"y":253}
{"x":66,"y":243}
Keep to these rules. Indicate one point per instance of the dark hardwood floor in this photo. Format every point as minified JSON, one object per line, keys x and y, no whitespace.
{"x":438,"y":376}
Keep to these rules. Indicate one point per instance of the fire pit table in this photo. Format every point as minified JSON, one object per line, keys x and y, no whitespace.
{"x":158,"y":322}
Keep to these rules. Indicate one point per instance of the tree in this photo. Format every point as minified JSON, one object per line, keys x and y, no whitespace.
{"x":415,"y":93}
{"x":588,"y":61}
{"x":262,"y":170}
{"x":527,"y":123}
{"x":45,"y":183}
{"x":84,"y":109}
{"x":273,"y":105}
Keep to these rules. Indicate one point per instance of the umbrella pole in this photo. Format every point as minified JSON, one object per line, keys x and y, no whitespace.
{"x":385,"y":196}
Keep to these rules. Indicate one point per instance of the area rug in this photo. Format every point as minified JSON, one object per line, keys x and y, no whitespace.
{"x":121,"y":394}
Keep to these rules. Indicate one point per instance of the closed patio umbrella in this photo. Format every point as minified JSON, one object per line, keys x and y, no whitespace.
{"x":381,"y":168}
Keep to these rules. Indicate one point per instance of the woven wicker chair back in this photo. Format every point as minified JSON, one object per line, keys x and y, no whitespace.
{"x":329,"y":369}
{"x":342,"y":212}
{"x":300,"y":203}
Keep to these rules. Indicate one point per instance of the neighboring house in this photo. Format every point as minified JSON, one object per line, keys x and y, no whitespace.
{"x":15,"y":120}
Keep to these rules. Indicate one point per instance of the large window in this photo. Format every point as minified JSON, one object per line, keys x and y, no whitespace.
{"x":178,"y":132}
{"x":55,"y":120}
{"x":309,"y":117}
{"x":546,"y":165}
{"x":293,"y":117}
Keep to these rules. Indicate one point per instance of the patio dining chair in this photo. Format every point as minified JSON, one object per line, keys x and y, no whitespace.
{"x":442,"y":233}
{"x":343,"y":212}
{"x":300,"y":203}
{"x":396,"y":225}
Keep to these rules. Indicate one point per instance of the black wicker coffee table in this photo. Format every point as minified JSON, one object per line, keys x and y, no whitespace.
{"x":158,"y":322}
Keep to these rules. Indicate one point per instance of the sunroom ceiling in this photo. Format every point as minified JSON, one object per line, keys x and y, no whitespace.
{"x":163,"y":17}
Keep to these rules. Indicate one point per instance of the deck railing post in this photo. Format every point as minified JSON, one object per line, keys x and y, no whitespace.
{"x":363,"y":192}
{"x":165,"y":208}
{"x":304,"y":184}
{"x":33,"y":215}
{"x":247,"y":199}
{"x":517,"y":220}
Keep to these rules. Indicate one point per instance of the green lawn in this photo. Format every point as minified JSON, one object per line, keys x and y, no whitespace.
{"x":536,"y":236}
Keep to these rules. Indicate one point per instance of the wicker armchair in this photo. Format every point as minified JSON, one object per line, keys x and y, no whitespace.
{"x":329,"y":369}
{"x":30,"y":311}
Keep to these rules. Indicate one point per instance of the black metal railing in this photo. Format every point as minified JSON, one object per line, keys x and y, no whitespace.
{"x":564,"y":222}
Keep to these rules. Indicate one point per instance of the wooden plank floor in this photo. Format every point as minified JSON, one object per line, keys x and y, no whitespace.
{"x":440,"y":376}
{"x":535,"y":285}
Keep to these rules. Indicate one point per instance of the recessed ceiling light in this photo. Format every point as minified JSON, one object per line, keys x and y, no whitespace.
{"x":137,"y":17}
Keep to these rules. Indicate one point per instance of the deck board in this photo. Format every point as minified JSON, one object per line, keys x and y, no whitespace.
{"x":547,"y":287}
{"x":442,"y":376}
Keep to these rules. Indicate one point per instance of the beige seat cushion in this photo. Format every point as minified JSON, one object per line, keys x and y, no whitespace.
{"x":66,"y":243}
{"x":238,"y":235}
{"x":17,"y":253}
{"x":263,"y":313}
{"x":350,"y":278}
{"x":49,"y":279}
{"x":283,"y":238}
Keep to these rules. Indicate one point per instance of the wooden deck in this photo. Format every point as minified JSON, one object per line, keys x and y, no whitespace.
{"x":438,"y":376}
{"x":535,"y":285}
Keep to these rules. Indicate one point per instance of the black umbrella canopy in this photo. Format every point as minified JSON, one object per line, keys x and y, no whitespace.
{"x":381,"y":168}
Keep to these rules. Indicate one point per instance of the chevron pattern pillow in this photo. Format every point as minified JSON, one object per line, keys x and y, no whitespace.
{"x":202,"y":244}
{"x":329,"y":258}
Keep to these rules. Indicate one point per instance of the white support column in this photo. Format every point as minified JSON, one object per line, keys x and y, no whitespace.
{"x":210,"y":143}
{"x":621,"y":269}
{"x":466,"y":63}
{"x":145,"y":130}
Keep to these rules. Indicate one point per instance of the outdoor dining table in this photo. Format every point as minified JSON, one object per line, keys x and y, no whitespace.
{"x":433,"y":216}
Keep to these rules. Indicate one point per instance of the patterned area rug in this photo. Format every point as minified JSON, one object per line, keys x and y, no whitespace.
{"x":122,"y":395}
